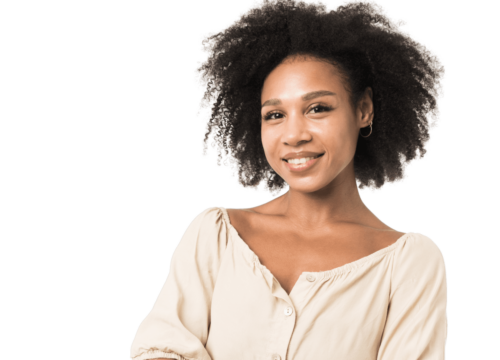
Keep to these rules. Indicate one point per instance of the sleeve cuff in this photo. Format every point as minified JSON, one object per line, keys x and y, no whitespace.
{"x":153,"y":354}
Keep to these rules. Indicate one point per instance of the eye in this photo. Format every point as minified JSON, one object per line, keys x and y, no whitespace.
{"x":320,"y":108}
{"x":272,"y":115}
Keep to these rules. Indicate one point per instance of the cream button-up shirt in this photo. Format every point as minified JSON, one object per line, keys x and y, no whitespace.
{"x":220,"y":303}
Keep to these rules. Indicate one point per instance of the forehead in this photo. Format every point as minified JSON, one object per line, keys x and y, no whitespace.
{"x":298,"y":75}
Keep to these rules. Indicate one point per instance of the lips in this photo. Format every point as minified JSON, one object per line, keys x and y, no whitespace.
{"x":300,"y":165}
{"x":301,"y":155}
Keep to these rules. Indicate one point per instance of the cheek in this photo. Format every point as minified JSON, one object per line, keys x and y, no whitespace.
{"x":264,"y":140}
{"x":268,"y":142}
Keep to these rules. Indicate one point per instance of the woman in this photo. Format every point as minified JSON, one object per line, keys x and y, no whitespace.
{"x":317,"y":100}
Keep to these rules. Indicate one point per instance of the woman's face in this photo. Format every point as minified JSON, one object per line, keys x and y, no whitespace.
{"x":309,"y":127}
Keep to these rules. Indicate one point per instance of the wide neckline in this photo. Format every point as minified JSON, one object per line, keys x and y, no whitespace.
{"x":322,"y":274}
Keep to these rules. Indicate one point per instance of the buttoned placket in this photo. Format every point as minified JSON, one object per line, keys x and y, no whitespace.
{"x":288,"y":311}
{"x":310,"y":277}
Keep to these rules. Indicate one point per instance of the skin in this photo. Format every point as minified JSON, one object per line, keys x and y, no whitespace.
{"x":326,"y":194}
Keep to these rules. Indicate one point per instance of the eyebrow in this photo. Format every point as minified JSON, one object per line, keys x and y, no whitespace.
{"x":309,"y":96}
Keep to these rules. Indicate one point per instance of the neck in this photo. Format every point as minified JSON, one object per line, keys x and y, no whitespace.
{"x":339,"y":201}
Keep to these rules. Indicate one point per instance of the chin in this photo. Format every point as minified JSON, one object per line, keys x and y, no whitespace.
{"x":306,"y":185}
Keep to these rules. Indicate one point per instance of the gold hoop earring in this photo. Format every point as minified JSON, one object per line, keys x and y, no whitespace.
{"x":369,"y":133}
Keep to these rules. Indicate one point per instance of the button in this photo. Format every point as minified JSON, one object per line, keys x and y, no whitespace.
{"x":288,"y":311}
{"x":310,"y":278}
{"x":276,"y":357}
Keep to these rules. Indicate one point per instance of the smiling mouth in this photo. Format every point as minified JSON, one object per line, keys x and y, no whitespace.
{"x":307,"y":158}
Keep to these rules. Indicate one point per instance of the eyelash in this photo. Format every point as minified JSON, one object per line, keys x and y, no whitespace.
{"x":322,"y":107}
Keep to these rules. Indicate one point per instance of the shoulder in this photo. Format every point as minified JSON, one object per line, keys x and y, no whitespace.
{"x":417,"y":257}
{"x":212,"y":217}
{"x":241,"y":218}
{"x":243,"y":212}
{"x":250,"y":224}
{"x":202,"y":247}
{"x":419,"y":247}
{"x":207,"y":231}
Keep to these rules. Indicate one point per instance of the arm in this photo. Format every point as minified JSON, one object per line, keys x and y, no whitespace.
{"x":416,"y":324}
{"x":177,"y":326}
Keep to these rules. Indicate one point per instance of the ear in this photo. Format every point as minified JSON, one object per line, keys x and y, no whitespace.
{"x":365,"y":108}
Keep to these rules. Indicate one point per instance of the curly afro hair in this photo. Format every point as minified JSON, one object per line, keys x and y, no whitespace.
{"x":366,"y":48}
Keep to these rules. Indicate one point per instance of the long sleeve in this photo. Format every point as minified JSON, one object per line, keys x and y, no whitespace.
{"x":178,"y":324}
{"x":416,"y":323}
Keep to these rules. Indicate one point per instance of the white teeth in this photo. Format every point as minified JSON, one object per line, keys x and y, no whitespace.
{"x":299,"y":161}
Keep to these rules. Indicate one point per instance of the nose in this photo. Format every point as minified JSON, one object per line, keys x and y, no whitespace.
{"x":295,"y":131}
